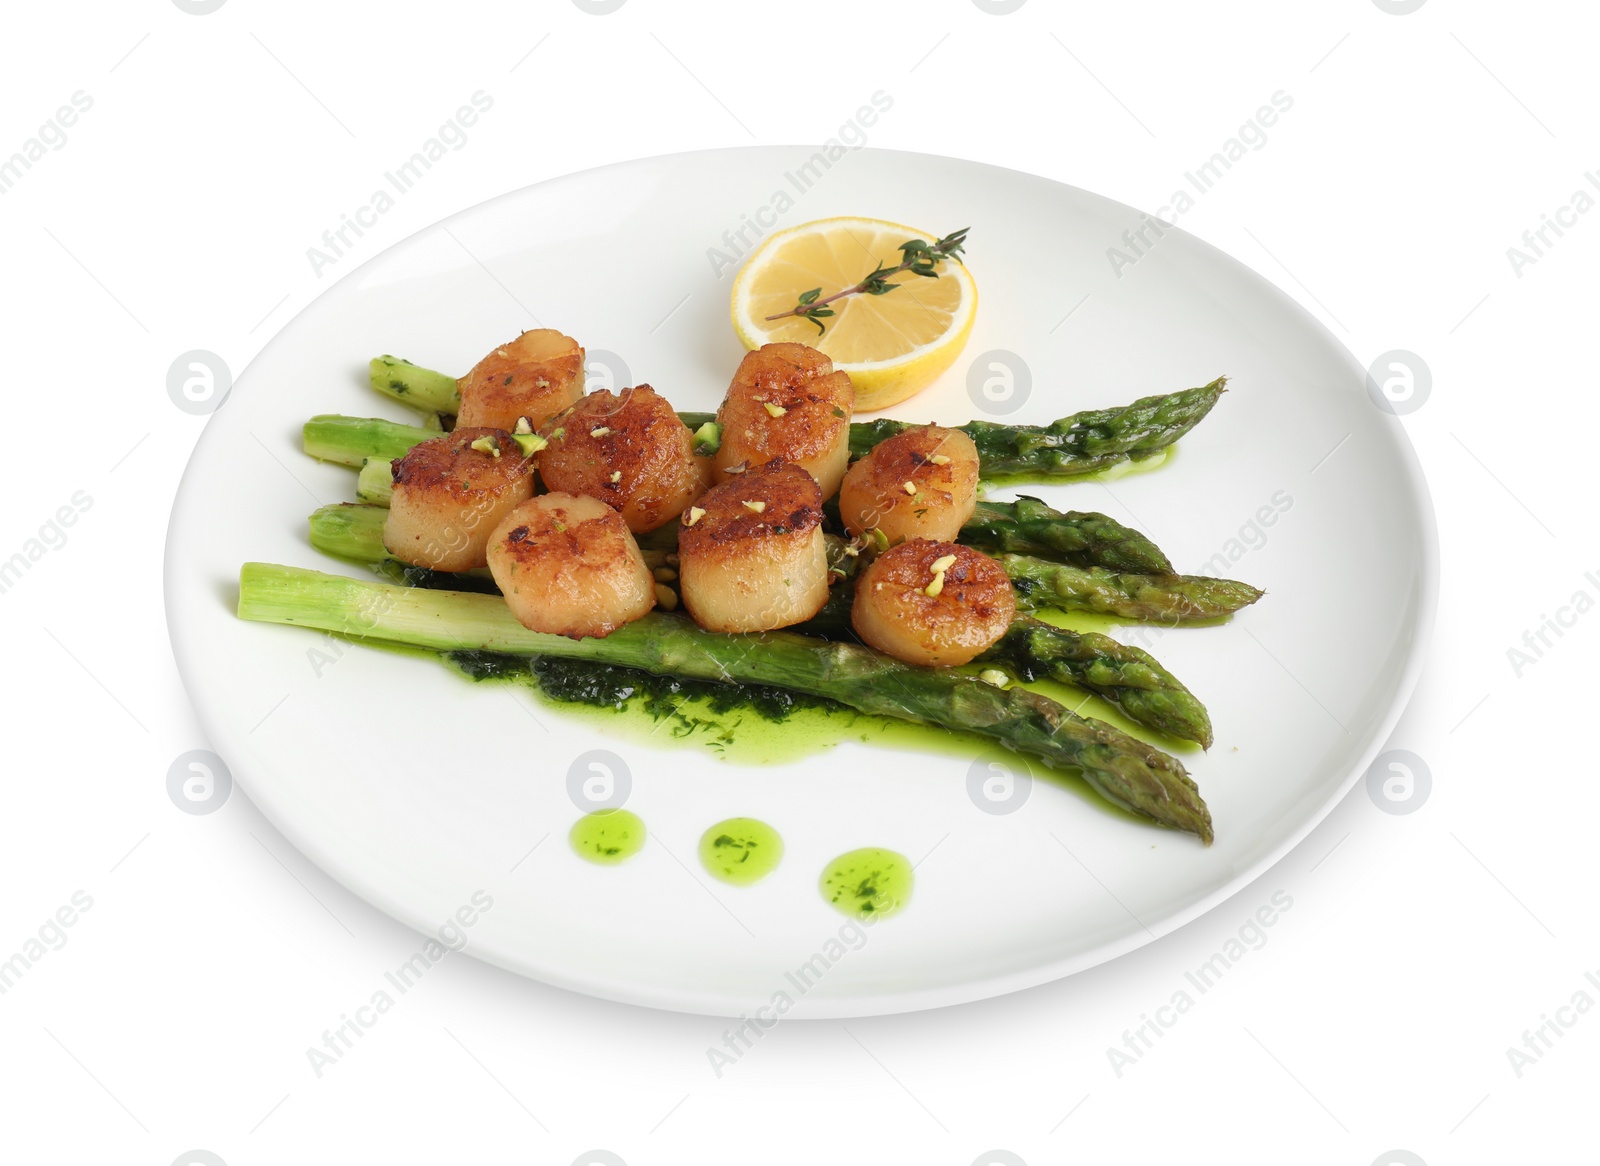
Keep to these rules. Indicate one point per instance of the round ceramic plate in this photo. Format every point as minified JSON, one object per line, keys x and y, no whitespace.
{"x":417,"y":789}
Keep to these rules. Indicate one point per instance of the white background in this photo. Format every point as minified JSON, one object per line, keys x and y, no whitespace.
{"x":1419,"y":947}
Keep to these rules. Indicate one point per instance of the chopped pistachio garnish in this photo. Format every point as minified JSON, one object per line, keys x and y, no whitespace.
{"x":523,"y":425}
{"x":738,"y":469}
{"x":600,"y":431}
{"x":995,"y":677}
{"x":755,"y":507}
{"x":558,"y":433}
{"x":616,"y":476}
{"x":694,"y":515}
{"x":529,"y":443}
{"x":487,"y":444}
{"x":707,"y":439}
{"x":501,"y":352}
{"x":666,"y":597}
{"x":879,"y":539}
{"x":939,"y":459}
{"x":939,"y":566}
{"x":774,"y":410}
{"x":664,"y":574}
{"x":911,"y":488}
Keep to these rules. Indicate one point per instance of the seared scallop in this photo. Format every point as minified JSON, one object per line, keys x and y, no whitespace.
{"x":751,"y":555}
{"x":567,"y":565}
{"x":933,"y":603}
{"x":535,"y":376}
{"x":630,"y":451}
{"x":920,"y":483}
{"x":448,"y":494}
{"x":787,"y":401}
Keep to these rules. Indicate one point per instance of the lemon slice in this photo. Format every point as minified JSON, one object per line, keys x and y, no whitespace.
{"x":892,"y":345}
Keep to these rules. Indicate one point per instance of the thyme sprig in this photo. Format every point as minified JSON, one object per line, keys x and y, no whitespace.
{"x":920,"y":258}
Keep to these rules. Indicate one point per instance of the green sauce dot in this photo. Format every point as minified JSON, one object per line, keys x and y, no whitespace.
{"x":608,"y":836}
{"x":741,"y":850}
{"x":868,"y":883}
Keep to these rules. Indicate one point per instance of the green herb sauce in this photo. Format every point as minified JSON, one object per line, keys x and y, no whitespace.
{"x":748,"y":724}
{"x":868,"y":883}
{"x":608,"y":836}
{"x":741,"y":851}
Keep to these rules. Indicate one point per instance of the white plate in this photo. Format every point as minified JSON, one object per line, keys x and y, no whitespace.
{"x":415,"y":789}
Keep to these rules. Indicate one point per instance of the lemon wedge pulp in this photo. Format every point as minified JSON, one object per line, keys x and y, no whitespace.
{"x":893,"y":345}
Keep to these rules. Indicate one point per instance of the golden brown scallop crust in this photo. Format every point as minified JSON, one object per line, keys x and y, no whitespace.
{"x":448,"y":496}
{"x":569,"y":566}
{"x":449,"y":462}
{"x":535,"y":376}
{"x":942,"y":467}
{"x":772,"y":500}
{"x":970,"y":610}
{"x":627,"y":449}
{"x":539,"y":530}
{"x":787,"y":401}
{"x":751,"y":553}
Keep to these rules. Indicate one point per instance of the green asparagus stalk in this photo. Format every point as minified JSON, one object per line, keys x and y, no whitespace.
{"x":1080,"y":538}
{"x":1165,"y":599}
{"x":1083,"y":443}
{"x":1123,"y":769}
{"x":350,"y":441}
{"x":410,"y":384}
{"x":350,"y":531}
{"x":1122,"y":674}
{"x":375,"y":482}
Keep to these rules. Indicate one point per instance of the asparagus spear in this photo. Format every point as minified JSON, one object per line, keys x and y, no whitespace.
{"x":1166,"y":599}
{"x":411,"y":384}
{"x":349,"y":530}
{"x":375,"y":482}
{"x":349,"y":441}
{"x":1128,"y":677}
{"x":1123,"y":769}
{"x":1081,"y":538}
{"x":1082,"y":443}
